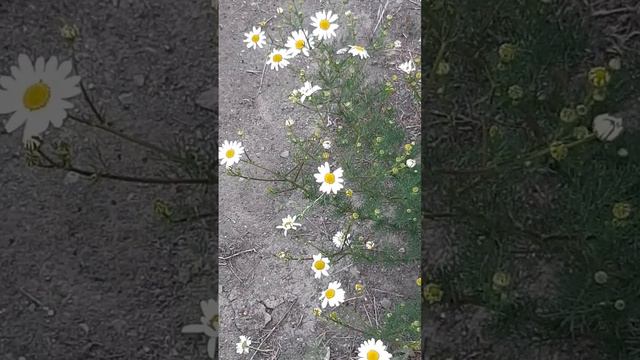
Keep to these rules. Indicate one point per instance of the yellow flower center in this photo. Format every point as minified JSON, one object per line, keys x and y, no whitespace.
{"x":230,"y":153}
{"x":277,"y":58}
{"x":255,"y":38}
{"x":329,"y":294}
{"x":324,"y":24}
{"x":358,"y":48}
{"x":329,"y":178}
{"x":37,"y":96}
{"x":599,"y":76}
{"x":319,"y":265}
{"x":373,"y":355}
{"x":299,"y":44}
{"x":215,"y":320}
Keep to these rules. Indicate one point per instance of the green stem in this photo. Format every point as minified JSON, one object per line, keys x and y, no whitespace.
{"x":145,"y":180}
{"x":139,"y":142}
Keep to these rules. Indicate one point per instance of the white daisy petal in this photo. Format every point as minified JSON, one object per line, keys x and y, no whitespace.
{"x":36,"y":124}
{"x":52,"y":65}
{"x":39,"y":66}
{"x":57,"y":116}
{"x":65,"y":68}
{"x":25,"y":64}
{"x":193,"y":329}
{"x":15,"y":72}
{"x":212,"y":345}
{"x":16,"y":120}
{"x":7,"y":82}
{"x":8,"y":103}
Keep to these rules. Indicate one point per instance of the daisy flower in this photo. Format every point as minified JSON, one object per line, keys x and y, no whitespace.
{"x":357,"y":50}
{"x":331,"y":181}
{"x":407,"y":67}
{"x":410,"y":163}
{"x":255,"y":38}
{"x":210,"y":323}
{"x":397,"y":44}
{"x":326,"y":144}
{"x":325,"y":28}
{"x":278,"y":59}
{"x":333,"y":296}
{"x":607,"y":127}
{"x":288,"y":223}
{"x":299,"y":42}
{"x":307,"y":90}
{"x":35,"y":93}
{"x":320,"y":266}
{"x":229,"y":153}
{"x":242,"y":347}
{"x":340,"y":239}
{"x":373,"y":350}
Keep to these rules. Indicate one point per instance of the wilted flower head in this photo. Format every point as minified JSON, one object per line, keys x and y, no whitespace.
{"x":600,"y":277}
{"x":289,"y":223}
{"x":599,"y":76}
{"x":621,"y":210}
{"x":507,"y":52}
{"x":407,"y":67}
{"x":568,"y":115}
{"x":558,"y":150}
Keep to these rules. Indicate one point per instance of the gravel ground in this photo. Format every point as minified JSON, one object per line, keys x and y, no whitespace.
{"x":89,"y":271}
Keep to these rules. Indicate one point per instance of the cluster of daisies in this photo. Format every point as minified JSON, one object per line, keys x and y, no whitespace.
{"x":330,"y":179}
{"x":301,"y":41}
{"x":331,"y":182}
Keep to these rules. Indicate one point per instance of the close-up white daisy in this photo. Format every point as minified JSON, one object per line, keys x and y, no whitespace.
{"x":333,"y":296}
{"x":331,"y":181}
{"x":357,"y":50}
{"x":340,"y":239}
{"x":255,"y":38}
{"x":229,"y":153}
{"x":373,"y":350}
{"x":320,"y":266}
{"x":210,"y":324}
{"x":299,"y":42}
{"x":407,"y":67}
{"x":288,"y":223}
{"x":35,"y":93}
{"x":307,"y":90}
{"x":242,"y":347}
{"x":278,"y":59}
{"x":607,"y":127}
{"x":324,"y":23}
